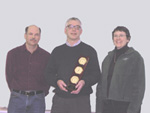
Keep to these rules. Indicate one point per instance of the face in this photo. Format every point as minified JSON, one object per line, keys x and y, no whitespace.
{"x":120,"y":39}
{"x":73,"y":30}
{"x":32,"y":36}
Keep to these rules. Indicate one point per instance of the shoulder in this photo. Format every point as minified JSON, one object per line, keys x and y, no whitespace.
{"x":15,"y":50}
{"x":59,"y":48}
{"x":43,"y":54}
{"x":134,"y":53}
{"x":43,"y":51}
{"x":88,"y":47}
{"x":110,"y":54}
{"x":108,"y":57}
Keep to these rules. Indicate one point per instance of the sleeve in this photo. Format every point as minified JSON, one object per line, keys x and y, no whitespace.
{"x":8,"y":69}
{"x":138,"y":86}
{"x":46,"y":86}
{"x":92,"y":72}
{"x":99,"y":97}
{"x":51,"y":71}
{"x":46,"y":89}
{"x":99,"y":92}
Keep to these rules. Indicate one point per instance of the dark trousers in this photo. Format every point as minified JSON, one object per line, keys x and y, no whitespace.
{"x":71,"y":105}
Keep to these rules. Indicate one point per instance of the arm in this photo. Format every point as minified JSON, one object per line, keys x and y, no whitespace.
{"x":138,"y":86}
{"x":92,"y":72}
{"x":51,"y":72}
{"x":99,"y":97}
{"x":100,"y":89}
{"x":9,"y":70}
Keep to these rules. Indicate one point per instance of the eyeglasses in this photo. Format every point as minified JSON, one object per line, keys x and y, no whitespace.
{"x":120,"y":36}
{"x":77,"y":27}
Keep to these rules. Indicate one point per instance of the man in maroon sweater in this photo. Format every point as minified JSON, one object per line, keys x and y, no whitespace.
{"x":25,"y":66}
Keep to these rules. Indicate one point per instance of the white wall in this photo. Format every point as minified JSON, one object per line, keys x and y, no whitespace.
{"x":99,"y":18}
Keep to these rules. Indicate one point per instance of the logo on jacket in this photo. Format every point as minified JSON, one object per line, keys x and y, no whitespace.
{"x":125,"y":59}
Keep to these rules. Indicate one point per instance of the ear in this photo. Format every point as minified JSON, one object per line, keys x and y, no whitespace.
{"x":128,"y":39}
{"x":25,"y":35}
{"x":65,"y":30}
{"x":81,"y":31}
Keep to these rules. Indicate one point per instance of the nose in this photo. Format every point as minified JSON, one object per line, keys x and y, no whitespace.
{"x":74,"y":28}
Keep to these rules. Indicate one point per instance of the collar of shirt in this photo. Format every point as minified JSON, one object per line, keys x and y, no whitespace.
{"x":23,"y":48}
{"x":74,"y":44}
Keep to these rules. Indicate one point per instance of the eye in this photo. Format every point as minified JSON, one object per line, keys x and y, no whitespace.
{"x":77,"y":27}
{"x":30,"y":33}
{"x":37,"y":34}
{"x":70,"y":26}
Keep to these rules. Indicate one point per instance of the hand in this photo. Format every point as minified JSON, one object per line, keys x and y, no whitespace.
{"x":62,"y":85}
{"x":78,"y":87}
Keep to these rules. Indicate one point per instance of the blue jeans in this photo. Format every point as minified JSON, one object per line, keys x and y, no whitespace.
{"x":20,"y":103}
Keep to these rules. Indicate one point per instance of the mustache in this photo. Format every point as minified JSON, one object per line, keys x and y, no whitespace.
{"x":33,"y":39}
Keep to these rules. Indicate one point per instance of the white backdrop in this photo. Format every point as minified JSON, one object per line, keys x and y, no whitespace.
{"x":99,"y":18}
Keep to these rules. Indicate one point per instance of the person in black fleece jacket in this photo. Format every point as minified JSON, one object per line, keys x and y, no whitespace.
{"x":61,"y":65}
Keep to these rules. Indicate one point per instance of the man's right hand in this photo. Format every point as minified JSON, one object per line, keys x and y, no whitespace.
{"x":62,"y":85}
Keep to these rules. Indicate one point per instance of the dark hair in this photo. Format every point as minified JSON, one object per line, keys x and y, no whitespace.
{"x":124,"y":29}
{"x":26,"y":29}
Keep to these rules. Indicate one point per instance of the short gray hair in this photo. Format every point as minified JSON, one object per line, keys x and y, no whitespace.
{"x":72,"y":18}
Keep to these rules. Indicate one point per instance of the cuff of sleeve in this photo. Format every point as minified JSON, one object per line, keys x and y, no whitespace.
{"x":86,"y":82}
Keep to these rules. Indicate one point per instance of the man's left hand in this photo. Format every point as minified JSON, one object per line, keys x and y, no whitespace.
{"x":79,"y":86}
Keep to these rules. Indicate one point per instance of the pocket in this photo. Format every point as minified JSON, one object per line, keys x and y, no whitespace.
{"x":57,"y":99}
{"x":14,"y":94}
{"x":115,"y":106}
{"x":121,"y":105}
{"x":40,"y":96}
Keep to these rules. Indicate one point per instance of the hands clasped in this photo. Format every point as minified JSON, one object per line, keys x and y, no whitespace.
{"x":63,"y":86}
